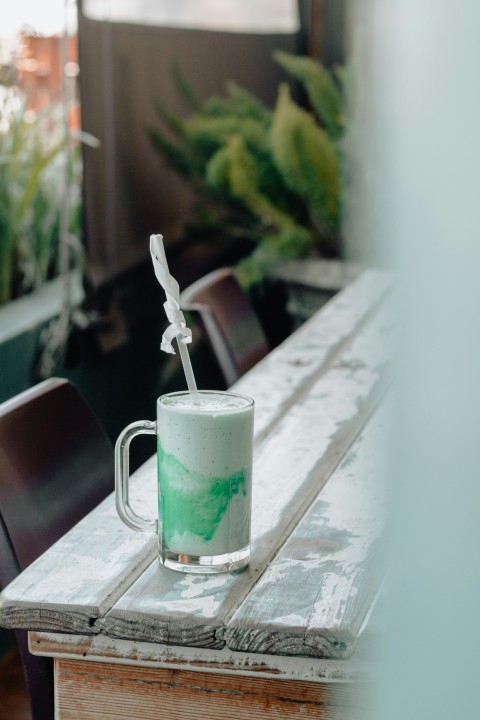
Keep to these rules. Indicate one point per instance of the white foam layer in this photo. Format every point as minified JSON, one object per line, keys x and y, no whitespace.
{"x":206,"y":402}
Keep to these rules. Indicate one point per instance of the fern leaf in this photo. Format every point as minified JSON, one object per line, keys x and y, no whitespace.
{"x":211,"y":132}
{"x":324,"y":95}
{"x":217,"y":169}
{"x":244,"y":104}
{"x":179,"y":159}
{"x":238,"y":103}
{"x":244,"y":180}
{"x":184,"y":88}
{"x":216,"y":106}
{"x":291,"y":242}
{"x":306,"y":158}
{"x":174,"y":123}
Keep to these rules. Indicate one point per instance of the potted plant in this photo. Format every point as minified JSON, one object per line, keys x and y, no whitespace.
{"x":32,"y":156}
{"x":40,"y":170}
{"x":272,"y":177}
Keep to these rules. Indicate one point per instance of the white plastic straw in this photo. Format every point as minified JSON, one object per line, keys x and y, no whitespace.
{"x":177,"y":328}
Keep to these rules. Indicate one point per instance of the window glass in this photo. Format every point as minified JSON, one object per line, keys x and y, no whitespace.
{"x":260,"y":16}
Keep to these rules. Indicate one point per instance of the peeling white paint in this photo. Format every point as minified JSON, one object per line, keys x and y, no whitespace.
{"x":310,"y":404}
{"x":102,"y":648}
{"x":197,"y":585}
{"x":204,"y":606}
{"x":314,"y":590}
{"x":291,"y":620}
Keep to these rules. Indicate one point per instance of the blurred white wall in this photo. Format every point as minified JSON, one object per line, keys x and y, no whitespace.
{"x":421,"y":207}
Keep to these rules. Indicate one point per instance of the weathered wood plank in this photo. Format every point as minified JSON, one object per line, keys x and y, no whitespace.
{"x":286,"y":371}
{"x":311,"y":282}
{"x":317,"y":273}
{"x":290,"y":468}
{"x":314,"y":597}
{"x":181,"y":657}
{"x":95,"y":691}
{"x":84,"y":574}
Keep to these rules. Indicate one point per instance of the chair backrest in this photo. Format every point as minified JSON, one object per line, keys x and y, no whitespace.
{"x":229,"y":322}
{"x":56,"y":464}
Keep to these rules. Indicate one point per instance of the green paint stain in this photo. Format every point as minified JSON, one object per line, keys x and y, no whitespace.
{"x":193,"y":502}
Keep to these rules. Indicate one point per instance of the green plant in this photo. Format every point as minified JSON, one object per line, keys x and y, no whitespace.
{"x":33,"y":150}
{"x":272,"y":177}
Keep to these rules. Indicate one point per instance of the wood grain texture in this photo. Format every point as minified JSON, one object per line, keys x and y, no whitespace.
{"x":287,"y":371}
{"x":290,"y":468}
{"x":317,"y":273}
{"x":103,"y":578}
{"x":85,"y":573}
{"x":314,"y":597}
{"x":115,"y":650}
{"x":100,"y":691}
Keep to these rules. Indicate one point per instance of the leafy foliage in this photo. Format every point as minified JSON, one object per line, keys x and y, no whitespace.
{"x":324,"y":93}
{"x":31,"y":174}
{"x":269,"y":176}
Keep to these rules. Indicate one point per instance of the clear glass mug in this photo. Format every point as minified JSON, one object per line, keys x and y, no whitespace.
{"x":204,"y":454}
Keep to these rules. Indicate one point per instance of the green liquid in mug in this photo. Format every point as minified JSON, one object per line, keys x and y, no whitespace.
{"x":204,"y":463}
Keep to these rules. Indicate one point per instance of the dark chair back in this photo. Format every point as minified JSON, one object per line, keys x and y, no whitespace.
{"x":56,"y":464}
{"x":229,"y":322}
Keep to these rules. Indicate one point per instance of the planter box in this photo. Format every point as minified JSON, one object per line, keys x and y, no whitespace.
{"x":120,"y":385}
{"x":305,"y":284}
{"x":311,"y":282}
{"x":21,"y":322}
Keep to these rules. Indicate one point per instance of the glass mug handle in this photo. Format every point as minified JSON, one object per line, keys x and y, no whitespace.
{"x":122,"y":475}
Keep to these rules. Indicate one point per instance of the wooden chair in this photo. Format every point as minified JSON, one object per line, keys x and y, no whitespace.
{"x":228,"y":321}
{"x":56,"y":464}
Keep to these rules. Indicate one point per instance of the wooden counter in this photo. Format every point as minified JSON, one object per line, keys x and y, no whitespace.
{"x":134,"y":640}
